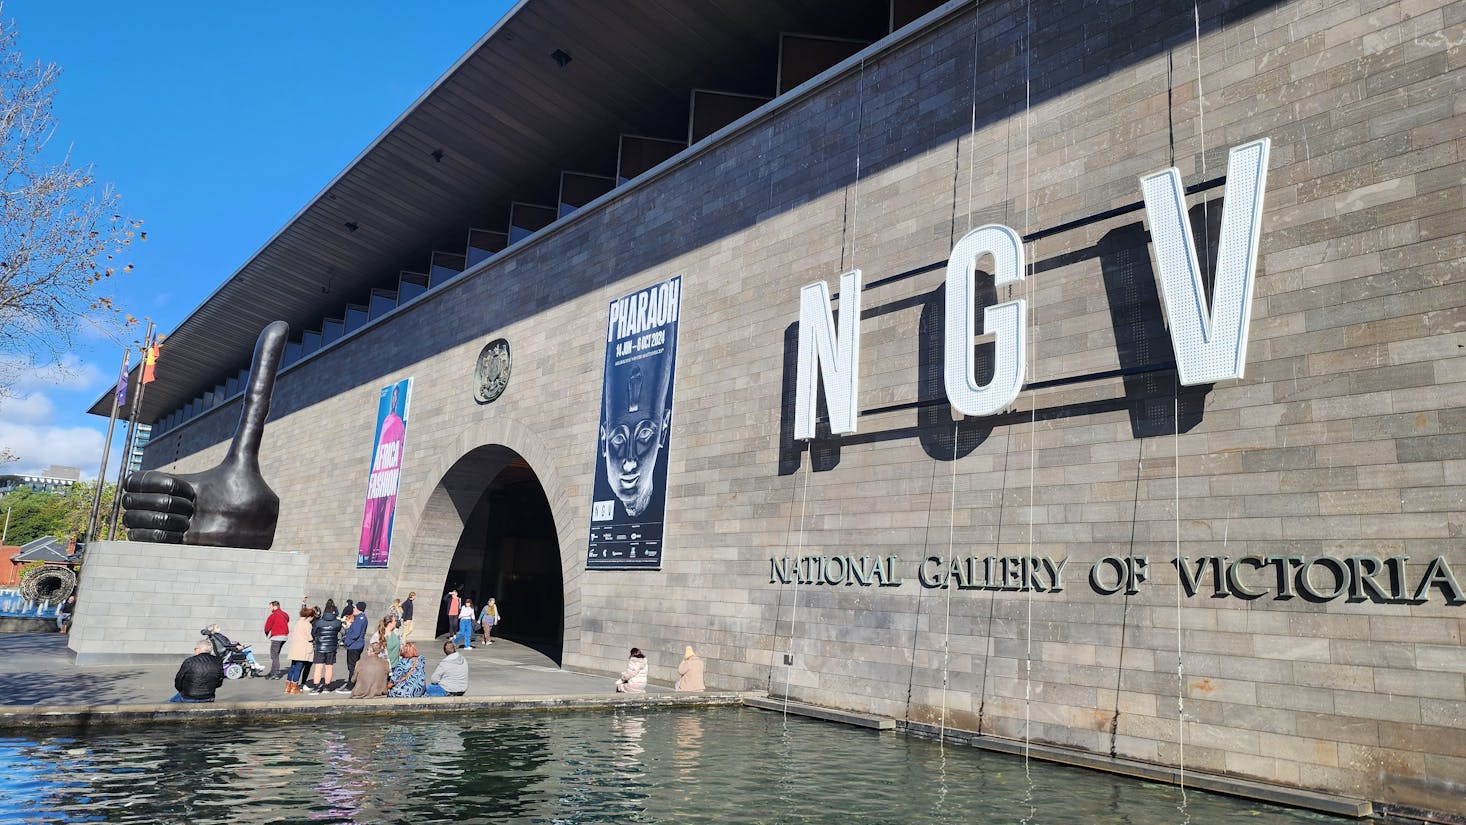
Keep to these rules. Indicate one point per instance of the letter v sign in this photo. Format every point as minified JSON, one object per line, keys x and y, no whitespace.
{"x":1210,"y":344}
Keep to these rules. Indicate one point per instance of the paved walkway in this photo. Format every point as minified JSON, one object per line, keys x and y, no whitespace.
{"x":39,"y":681}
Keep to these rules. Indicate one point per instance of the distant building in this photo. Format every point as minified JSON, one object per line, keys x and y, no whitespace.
{"x":140,"y":440}
{"x":54,"y":479}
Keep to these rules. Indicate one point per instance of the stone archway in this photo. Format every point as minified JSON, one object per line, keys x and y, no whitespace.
{"x":455,"y":518}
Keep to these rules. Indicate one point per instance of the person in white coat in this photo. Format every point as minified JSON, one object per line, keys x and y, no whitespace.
{"x":633,"y":678}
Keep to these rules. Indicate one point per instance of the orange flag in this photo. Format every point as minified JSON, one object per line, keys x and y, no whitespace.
{"x":150,"y":361}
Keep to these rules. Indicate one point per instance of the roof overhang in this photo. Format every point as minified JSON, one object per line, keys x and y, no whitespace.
{"x":499,"y":126}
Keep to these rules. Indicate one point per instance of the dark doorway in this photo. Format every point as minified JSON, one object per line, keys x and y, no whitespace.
{"x":509,"y":551}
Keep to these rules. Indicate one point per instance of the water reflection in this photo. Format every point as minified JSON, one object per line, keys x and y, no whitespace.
{"x":646,"y":766}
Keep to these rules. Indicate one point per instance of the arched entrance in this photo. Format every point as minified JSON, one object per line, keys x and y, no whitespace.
{"x":506,"y":547}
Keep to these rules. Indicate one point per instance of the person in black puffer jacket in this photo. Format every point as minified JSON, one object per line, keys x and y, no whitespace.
{"x":325,"y":639}
{"x":199,"y":676}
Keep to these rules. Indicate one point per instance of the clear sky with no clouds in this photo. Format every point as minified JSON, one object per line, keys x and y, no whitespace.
{"x":216,"y":122}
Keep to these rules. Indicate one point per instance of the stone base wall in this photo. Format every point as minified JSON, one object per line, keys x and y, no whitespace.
{"x":141,"y":602}
{"x":1346,"y":439}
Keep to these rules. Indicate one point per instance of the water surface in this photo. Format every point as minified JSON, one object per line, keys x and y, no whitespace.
{"x":700,"y":765}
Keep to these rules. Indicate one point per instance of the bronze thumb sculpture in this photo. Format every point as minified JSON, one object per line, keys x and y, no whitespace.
{"x":229,"y":505}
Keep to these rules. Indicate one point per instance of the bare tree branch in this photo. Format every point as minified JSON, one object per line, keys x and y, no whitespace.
{"x":61,"y":234}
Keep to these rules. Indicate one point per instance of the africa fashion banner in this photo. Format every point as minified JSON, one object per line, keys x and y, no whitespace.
{"x":629,"y":498}
{"x":386,"y":467}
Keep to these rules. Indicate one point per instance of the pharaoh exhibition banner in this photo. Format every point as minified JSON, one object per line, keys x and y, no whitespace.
{"x":386,"y":468}
{"x":630,"y":494}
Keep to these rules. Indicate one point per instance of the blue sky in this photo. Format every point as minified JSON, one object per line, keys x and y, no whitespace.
{"x":216,"y":122}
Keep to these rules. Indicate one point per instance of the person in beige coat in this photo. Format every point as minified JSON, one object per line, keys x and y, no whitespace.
{"x":371,"y":673}
{"x":300,"y":648}
{"x":689,"y":673}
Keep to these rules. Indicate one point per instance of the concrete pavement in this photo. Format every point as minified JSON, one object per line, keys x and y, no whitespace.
{"x":41,"y":684}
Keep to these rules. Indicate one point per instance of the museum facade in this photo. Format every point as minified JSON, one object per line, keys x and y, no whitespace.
{"x":909,"y":382}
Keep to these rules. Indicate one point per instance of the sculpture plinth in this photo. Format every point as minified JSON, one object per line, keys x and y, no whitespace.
{"x":142,"y":603}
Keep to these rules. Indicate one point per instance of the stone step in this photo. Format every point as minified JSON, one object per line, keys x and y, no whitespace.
{"x":828,"y":714}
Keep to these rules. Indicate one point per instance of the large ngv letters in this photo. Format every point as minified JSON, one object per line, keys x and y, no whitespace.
{"x":1007,"y":322}
{"x":1210,"y":341}
{"x":820,"y":350}
{"x":1210,"y":346}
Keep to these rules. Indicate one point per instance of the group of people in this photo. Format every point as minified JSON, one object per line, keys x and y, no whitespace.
{"x":380,"y":660}
{"x":463,"y":610}
{"x":689,"y":672}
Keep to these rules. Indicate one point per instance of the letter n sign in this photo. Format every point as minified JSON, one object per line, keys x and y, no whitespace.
{"x":838,"y":357}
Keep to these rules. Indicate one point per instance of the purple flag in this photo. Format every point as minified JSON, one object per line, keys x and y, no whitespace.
{"x":122,"y":387}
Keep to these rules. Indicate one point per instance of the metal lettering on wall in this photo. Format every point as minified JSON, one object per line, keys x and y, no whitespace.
{"x":1210,"y":341}
{"x":1387,"y":580}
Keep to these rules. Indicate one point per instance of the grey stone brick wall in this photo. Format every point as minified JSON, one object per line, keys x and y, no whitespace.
{"x":1346,"y":437}
{"x":142,"y":602}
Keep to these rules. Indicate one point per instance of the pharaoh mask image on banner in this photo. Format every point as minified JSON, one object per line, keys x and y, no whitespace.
{"x":629,"y":499}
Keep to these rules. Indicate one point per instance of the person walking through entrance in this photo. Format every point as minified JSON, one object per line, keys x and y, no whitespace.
{"x":489,"y":618}
{"x":451,"y":606}
{"x":407,"y":609}
{"x":464,"y":639}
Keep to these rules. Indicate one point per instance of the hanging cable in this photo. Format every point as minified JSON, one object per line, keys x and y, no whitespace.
{"x":1033,"y":399}
{"x":794,"y":611}
{"x":947,"y":619}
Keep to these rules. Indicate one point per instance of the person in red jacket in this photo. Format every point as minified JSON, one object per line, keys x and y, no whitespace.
{"x":277,"y":630}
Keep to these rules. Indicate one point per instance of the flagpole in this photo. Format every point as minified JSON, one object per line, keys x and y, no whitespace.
{"x":137,"y":402}
{"x":107,"y":446}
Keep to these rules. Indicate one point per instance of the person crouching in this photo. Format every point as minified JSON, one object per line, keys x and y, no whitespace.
{"x":199,"y":676}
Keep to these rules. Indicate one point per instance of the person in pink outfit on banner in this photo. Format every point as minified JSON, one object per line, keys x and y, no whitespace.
{"x":376,"y":522}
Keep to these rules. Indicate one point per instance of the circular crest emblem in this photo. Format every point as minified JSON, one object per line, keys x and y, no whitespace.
{"x":491,"y":375}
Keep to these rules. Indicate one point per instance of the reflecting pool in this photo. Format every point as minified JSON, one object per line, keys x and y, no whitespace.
{"x":723,"y":765}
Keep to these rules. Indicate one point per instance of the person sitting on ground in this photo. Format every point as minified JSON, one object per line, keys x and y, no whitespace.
{"x":199,"y":676}
{"x":223,"y":646}
{"x":371,"y":673}
{"x":689,"y":673}
{"x":409,"y":679}
{"x":391,"y":641}
{"x":64,"y":614}
{"x":633,"y":678}
{"x":450,"y":677}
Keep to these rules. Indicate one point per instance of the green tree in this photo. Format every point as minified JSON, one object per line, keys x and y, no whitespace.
{"x":77,"y":507}
{"x":33,"y":514}
{"x":61,"y":236}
